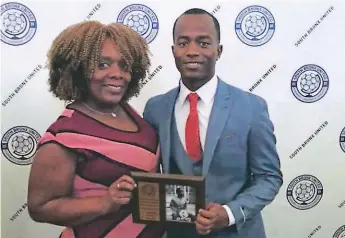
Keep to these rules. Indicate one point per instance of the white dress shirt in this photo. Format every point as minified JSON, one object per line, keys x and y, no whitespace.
{"x":206,"y":94}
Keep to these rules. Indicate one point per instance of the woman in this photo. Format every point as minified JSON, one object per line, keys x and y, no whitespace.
{"x":79,"y":177}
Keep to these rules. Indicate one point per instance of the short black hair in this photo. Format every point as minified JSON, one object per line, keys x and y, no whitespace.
{"x":196,"y":11}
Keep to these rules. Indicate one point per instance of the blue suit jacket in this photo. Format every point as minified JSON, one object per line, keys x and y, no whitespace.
{"x":240,"y":162}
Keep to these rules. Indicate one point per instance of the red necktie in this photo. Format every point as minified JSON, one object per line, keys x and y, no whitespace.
{"x":192,"y":129}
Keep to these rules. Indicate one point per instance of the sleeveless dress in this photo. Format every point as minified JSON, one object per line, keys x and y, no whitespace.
{"x":104,"y":155}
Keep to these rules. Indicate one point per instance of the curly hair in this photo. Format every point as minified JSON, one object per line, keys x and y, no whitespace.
{"x":74,"y":56}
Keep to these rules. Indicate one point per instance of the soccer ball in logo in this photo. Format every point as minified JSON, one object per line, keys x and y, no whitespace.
{"x":141,"y":19}
{"x":19,"y":144}
{"x":255,"y":25}
{"x":304,"y":191}
{"x":18,"y":24}
{"x":310,"y":83}
{"x":14,"y":23}
{"x":22,"y":145}
{"x":138,"y":22}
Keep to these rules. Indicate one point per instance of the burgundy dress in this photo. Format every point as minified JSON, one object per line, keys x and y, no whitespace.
{"x":106,"y":154}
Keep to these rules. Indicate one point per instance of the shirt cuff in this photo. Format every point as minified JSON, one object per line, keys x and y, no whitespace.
{"x":230,"y":215}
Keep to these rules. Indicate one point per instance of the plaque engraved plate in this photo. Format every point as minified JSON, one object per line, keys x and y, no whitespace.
{"x":149,"y":203}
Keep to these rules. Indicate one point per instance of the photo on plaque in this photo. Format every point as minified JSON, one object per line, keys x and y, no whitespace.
{"x":166,"y":198}
{"x":180,"y":203}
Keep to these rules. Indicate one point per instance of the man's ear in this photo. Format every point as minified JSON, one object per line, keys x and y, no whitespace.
{"x":219,"y":51}
{"x":173,"y":49}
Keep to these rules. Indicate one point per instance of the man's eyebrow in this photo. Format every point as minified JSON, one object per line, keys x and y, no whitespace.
{"x":198,"y":37}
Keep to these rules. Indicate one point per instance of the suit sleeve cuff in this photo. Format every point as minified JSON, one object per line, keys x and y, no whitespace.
{"x":231,"y":217}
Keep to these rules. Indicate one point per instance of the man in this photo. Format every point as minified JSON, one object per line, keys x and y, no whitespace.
{"x":210,"y":128}
{"x":178,"y":203}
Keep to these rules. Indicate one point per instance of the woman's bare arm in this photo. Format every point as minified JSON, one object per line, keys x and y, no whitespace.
{"x":50,"y":186}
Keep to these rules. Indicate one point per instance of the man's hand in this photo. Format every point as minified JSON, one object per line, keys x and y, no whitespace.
{"x":214,"y":217}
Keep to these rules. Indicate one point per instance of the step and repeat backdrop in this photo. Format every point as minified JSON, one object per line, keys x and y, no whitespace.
{"x":289,"y":52}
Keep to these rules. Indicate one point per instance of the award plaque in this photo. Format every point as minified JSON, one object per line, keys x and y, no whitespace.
{"x":167,"y":198}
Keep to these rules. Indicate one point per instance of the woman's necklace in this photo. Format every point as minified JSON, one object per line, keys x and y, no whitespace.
{"x":113,"y":114}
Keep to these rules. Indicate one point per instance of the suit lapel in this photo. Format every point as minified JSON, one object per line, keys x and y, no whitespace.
{"x":219,"y":115}
{"x":165,"y":127}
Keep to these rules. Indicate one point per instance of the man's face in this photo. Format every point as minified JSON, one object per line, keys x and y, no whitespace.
{"x":180,"y":193}
{"x":196,"y":47}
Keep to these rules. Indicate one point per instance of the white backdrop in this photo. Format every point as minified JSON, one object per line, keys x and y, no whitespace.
{"x":274,"y":49}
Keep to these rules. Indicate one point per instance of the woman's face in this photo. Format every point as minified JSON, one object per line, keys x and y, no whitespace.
{"x":111,"y":77}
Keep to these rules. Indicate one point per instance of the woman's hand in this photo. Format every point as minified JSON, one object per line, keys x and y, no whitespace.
{"x":119,"y":193}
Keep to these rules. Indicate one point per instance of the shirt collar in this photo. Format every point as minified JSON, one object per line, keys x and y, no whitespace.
{"x":206,"y":92}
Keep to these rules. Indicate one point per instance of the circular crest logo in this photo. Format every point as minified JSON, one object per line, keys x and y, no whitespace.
{"x":342,"y":139}
{"x":310,"y":83}
{"x":18,"y":24}
{"x":148,"y":190}
{"x":304,"y":192}
{"x":255,"y":25}
{"x":141,"y":19}
{"x":340,"y":232}
{"x":19,"y":144}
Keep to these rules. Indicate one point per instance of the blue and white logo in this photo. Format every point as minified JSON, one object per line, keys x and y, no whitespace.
{"x":340,"y":232}
{"x":19,"y":144}
{"x":342,"y":139}
{"x":255,"y":25}
{"x":141,"y":19}
{"x":310,"y":83}
{"x":304,"y":192}
{"x":19,"y":24}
